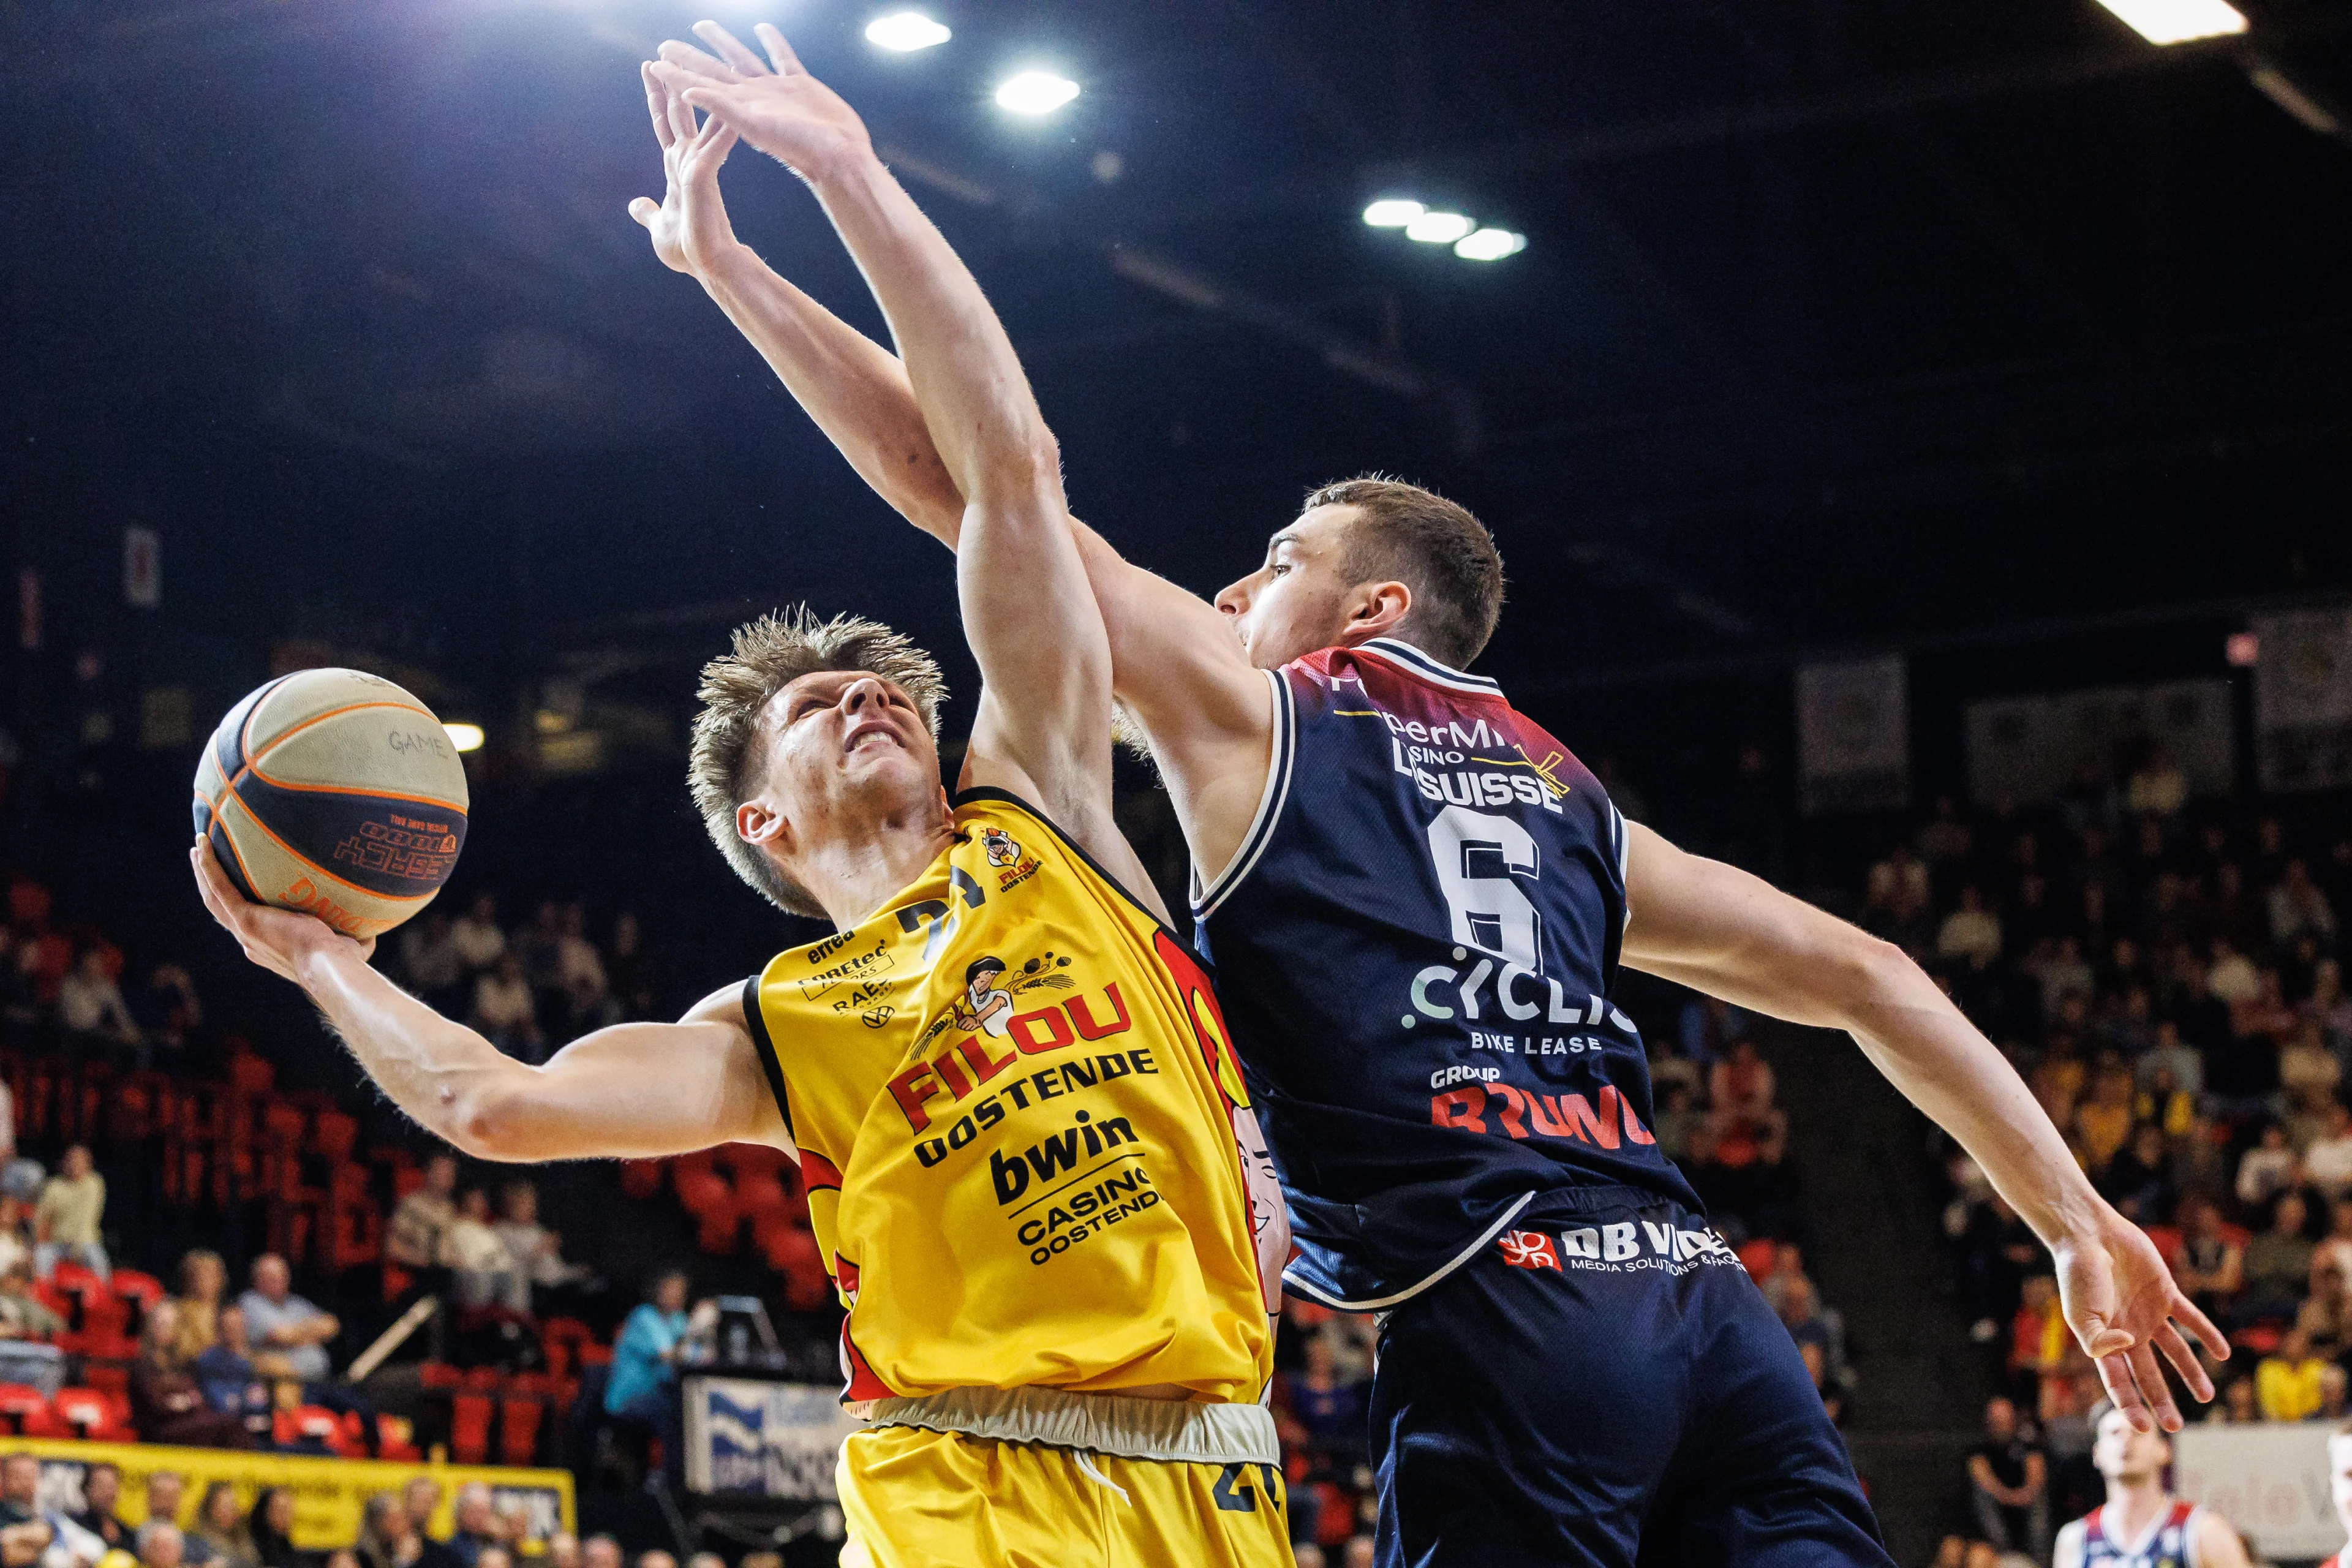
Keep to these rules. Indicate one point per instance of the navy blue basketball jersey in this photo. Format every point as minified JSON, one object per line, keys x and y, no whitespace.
{"x":1415,"y":946}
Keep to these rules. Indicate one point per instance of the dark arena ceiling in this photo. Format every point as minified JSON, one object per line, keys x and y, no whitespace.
{"x":1839,"y":322}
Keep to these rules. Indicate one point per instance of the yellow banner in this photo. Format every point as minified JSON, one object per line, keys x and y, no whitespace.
{"x":327,"y":1493}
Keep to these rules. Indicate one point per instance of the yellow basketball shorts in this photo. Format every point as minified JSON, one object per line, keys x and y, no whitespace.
{"x":914,"y":1498}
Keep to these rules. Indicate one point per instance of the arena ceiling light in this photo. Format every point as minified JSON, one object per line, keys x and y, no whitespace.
{"x":904,"y":32}
{"x":1392,"y":213}
{"x":2178,"y":21}
{"x":465,"y":737}
{"x":1035,"y":92}
{"x":1438,"y":228}
{"x":1489,"y":245}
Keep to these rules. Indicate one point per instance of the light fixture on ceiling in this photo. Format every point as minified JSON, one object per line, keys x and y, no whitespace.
{"x":1438,"y":228}
{"x":1392,"y":212}
{"x":2178,"y":21}
{"x":1035,"y":92}
{"x":1489,"y":245}
{"x":904,"y":32}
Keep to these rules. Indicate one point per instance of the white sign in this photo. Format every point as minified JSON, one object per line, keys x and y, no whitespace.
{"x":1854,"y":735}
{"x":2270,"y":1480}
{"x":748,"y":1437}
{"x":2303,"y":699}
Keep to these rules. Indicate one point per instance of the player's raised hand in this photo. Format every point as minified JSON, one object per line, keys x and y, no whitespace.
{"x":2125,"y":1310}
{"x":278,"y":940}
{"x":774,"y":104}
{"x":689,"y":226}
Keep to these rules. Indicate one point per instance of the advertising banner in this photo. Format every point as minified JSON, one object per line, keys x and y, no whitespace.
{"x":747,"y":1437}
{"x":327,"y":1493}
{"x":2024,"y":750}
{"x":2303,"y":699}
{"x":1854,"y":735}
{"x":2269,"y":1479}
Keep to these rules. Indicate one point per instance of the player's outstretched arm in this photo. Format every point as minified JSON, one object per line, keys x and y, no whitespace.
{"x":854,"y":388}
{"x":1715,"y":929}
{"x":2218,"y":1545}
{"x":1029,"y":613}
{"x":1175,"y":664}
{"x":636,"y":1090}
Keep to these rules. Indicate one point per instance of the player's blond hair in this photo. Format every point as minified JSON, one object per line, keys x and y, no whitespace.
{"x":768,"y":655}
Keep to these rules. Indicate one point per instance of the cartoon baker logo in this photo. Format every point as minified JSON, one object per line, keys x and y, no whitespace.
{"x":985,"y":1005}
{"x":1002,"y":848}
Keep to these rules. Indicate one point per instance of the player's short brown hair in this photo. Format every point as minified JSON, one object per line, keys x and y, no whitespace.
{"x":1404,"y":533}
{"x":770,"y":654}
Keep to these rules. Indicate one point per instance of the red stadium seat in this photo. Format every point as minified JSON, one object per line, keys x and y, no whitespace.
{"x":1757,"y":1258}
{"x":24,"y":1411}
{"x":469,"y":1428}
{"x":641,"y":1178}
{"x":395,"y":1441}
{"x":518,"y":1424}
{"x":90,"y":1415}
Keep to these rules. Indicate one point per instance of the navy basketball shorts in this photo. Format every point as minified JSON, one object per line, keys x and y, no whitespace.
{"x":1603,"y":1386}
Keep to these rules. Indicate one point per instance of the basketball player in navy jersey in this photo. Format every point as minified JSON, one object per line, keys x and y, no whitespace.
{"x":1419,"y":902}
{"x":2142,"y":1525}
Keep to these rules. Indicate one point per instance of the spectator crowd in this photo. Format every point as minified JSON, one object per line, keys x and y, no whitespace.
{"x":2166,"y":976}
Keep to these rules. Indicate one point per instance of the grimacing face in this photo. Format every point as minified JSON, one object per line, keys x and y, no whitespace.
{"x":1300,"y":601}
{"x":839,"y":745}
{"x":2119,"y":1453}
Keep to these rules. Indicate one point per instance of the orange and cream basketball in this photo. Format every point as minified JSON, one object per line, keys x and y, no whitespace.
{"x":336,"y":793}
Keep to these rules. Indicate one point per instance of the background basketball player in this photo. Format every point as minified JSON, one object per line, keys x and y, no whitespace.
{"x":1572,"y":1369}
{"x":2142,"y":1525}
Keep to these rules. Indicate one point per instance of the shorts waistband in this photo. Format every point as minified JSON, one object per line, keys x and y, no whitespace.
{"x":1610,"y":1197}
{"x":1162,"y":1429}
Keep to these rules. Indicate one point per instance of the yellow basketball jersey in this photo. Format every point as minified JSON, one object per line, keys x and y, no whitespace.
{"x":1022,"y":1128}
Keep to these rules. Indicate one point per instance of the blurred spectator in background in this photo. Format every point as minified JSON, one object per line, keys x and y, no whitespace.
{"x":2327,"y":1163}
{"x":2325,"y":1318}
{"x":271,"y":1526}
{"x":204,"y":1279}
{"x":1972,"y":934}
{"x":482,"y":1273}
{"x":160,"y":1545}
{"x":1329,"y":1406}
{"x":2210,"y":1266}
{"x":2277,"y":1267}
{"x":600,"y":1550}
{"x":433,"y":963}
{"x":220,"y":1525}
{"x":2267,"y":1169}
{"x":23,"y":1314}
{"x":537,"y":1251}
{"x":563,"y":1551}
{"x":505,"y":1012}
{"x":167,"y":1404}
{"x":90,"y":1006}
{"x":66,"y":1221}
{"x":642,"y":1388}
{"x":630,"y":968}
{"x":279,"y":1320}
{"x":167,"y":1010}
{"x":231,"y":1385}
{"x":2287,"y":1381}
{"x":656,"y":1558}
{"x":580,"y":976}
{"x":2298,"y":907}
{"x":63,"y":1543}
{"x":166,"y":1493}
{"x":101,"y":1494}
{"x":413,"y":1239}
{"x":420,"y":1500}
{"x":388,"y":1537}
{"x":476,"y":934}
{"x":2008,"y":1484}
{"x":477,"y":1524}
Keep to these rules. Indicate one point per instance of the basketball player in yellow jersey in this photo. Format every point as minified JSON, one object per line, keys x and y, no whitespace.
{"x":1009,"y":1090}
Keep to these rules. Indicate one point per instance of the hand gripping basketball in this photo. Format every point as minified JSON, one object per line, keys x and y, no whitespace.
{"x":280,"y":940}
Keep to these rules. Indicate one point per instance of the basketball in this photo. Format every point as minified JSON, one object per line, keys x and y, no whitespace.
{"x":335,"y":793}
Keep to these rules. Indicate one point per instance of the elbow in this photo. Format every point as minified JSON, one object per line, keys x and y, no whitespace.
{"x":1869,"y":971}
{"x":486,"y":1122}
{"x":1020,"y":470}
